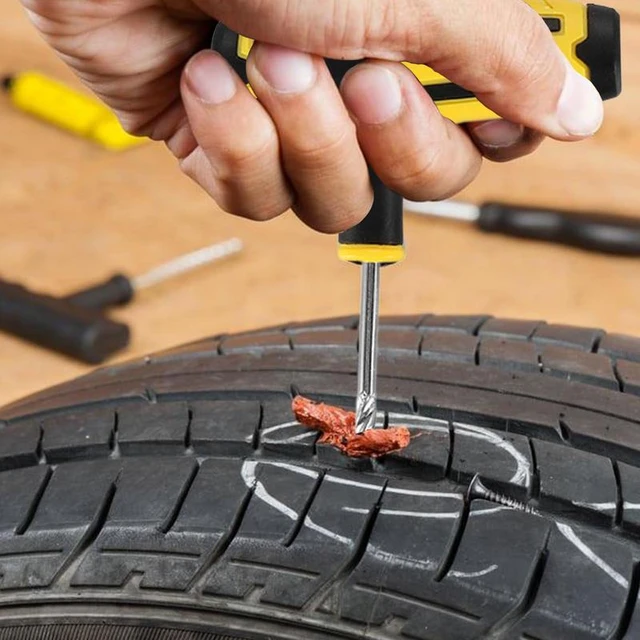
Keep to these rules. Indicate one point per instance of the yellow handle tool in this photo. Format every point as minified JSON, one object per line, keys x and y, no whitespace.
{"x":589,"y":36}
{"x":65,"y":108}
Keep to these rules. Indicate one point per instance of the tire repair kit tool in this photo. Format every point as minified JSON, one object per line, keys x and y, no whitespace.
{"x":597,"y":232}
{"x":589,"y":36}
{"x":78,"y":113}
{"x":76,"y":325}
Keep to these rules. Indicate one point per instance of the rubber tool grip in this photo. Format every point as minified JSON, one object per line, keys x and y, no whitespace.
{"x":379,"y":237}
{"x":79,"y":333}
{"x":114,"y":292}
{"x":592,"y":231}
{"x":601,"y":50}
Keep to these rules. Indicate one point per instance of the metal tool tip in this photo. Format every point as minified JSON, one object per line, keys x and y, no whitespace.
{"x":366,"y":413}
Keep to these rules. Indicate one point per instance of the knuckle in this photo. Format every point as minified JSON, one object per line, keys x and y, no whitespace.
{"x":417,"y":171}
{"x":388,"y":30}
{"x":249,"y":155}
{"x":351,"y":214}
{"x":534,"y":64}
{"x":345,"y":215}
{"x":258,"y":209}
{"x":133,"y":123}
{"x":321,"y":151}
{"x":343,"y":28}
{"x":258,"y":197}
{"x":255,"y":197}
{"x":361,"y":29}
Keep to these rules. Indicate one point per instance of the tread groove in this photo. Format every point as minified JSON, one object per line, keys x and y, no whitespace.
{"x":617,"y":519}
{"x":595,"y":347}
{"x":40,"y":454}
{"x":434,"y":606}
{"x":501,"y":630}
{"x":199,"y":578}
{"x":302,"y":515}
{"x":617,"y":376}
{"x":187,"y":433}
{"x":534,"y":484}
{"x":114,"y":444}
{"x":35,"y":503}
{"x":352,"y":562}
{"x":478,"y":328}
{"x":454,"y":542}
{"x":294,"y":391}
{"x":150,"y":395}
{"x":255,"y":441}
{"x":275,"y":568}
{"x":630,"y":604}
{"x":91,"y":534}
{"x":564,"y":431}
{"x":171,"y":396}
{"x":452,"y":443}
{"x":165,"y":527}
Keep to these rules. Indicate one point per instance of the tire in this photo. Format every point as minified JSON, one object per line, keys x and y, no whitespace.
{"x":175,"y":498}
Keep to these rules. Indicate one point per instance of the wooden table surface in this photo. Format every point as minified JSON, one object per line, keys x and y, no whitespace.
{"x":72,"y":213}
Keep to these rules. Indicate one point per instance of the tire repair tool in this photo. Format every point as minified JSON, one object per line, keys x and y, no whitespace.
{"x":75,"y":325}
{"x":589,"y":36}
{"x":597,"y":232}
{"x":68,"y":109}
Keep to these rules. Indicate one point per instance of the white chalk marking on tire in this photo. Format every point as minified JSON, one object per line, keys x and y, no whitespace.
{"x":522,"y":476}
{"x":433,"y":515}
{"x":607,"y":506}
{"x":588,"y":552}
{"x":290,"y":440}
{"x":473,"y":574}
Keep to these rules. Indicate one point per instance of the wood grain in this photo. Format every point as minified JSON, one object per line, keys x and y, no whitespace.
{"x":73,"y":214}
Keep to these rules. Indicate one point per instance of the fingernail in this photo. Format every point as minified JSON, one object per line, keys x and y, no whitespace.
{"x":580,"y":108}
{"x":373,"y":94}
{"x":498,"y":134}
{"x":285,"y":70}
{"x":211,"y":78}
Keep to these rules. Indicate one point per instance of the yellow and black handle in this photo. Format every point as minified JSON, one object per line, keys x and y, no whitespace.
{"x":588,"y":35}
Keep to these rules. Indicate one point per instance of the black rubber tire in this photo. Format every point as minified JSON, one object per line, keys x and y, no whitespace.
{"x":174,"y":498}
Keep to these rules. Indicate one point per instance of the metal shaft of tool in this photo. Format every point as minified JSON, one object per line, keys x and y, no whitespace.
{"x":187,"y":262}
{"x":449,"y":209}
{"x":366,"y":401}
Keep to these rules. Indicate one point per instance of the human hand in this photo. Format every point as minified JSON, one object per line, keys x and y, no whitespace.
{"x":305,"y":143}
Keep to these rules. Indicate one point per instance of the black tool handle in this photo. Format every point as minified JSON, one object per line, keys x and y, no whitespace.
{"x":381,"y":230}
{"x":82,"y":334}
{"x":592,"y":231}
{"x":116,"y":291}
{"x":383,"y":225}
